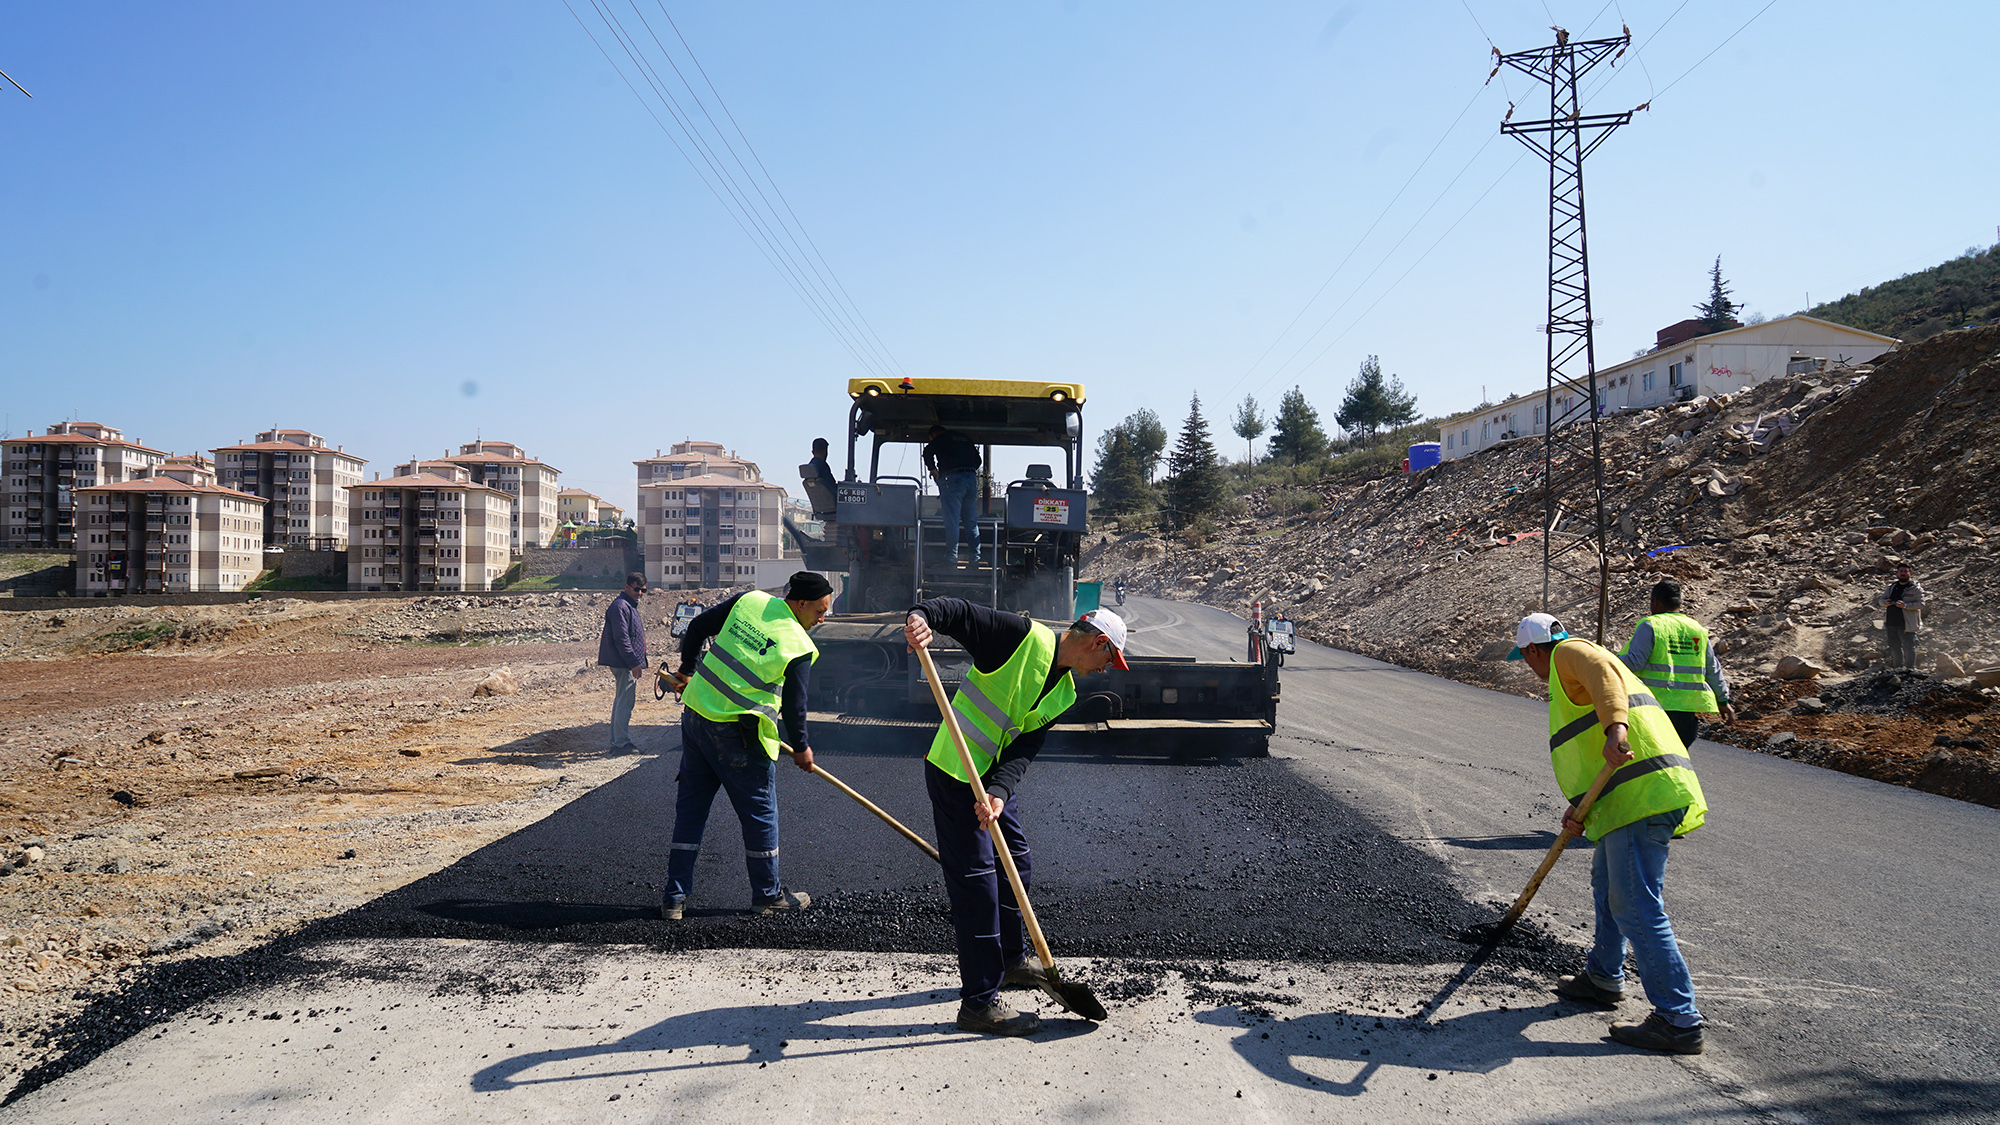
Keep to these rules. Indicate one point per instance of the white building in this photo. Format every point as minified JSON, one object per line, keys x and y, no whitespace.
{"x":174,"y":532}
{"x":533,"y":485}
{"x":305,"y":481}
{"x":429,"y":529}
{"x":1683,"y":364}
{"x":43,"y":474}
{"x":708,"y":518}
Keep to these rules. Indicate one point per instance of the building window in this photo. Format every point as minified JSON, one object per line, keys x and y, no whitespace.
{"x":1677,"y":375}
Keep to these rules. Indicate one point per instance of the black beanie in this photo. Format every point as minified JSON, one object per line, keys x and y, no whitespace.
{"x":807,"y":586}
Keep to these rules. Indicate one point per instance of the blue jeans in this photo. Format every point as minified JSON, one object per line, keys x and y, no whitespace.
{"x":713,"y":757}
{"x":1628,"y":880}
{"x":958,"y":503}
{"x":983,"y":912}
{"x":621,"y":708}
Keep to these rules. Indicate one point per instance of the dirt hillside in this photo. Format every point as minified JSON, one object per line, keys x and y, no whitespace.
{"x":1782,"y":510}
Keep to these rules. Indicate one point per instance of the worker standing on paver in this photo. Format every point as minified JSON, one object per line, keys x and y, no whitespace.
{"x":1601,"y":715}
{"x":1671,"y":654}
{"x":622,"y":648}
{"x":1022,"y":677}
{"x":752,"y":679}
{"x":954,"y":461}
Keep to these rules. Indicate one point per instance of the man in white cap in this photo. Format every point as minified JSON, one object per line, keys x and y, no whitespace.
{"x":1601,"y":715}
{"x":1022,"y":677}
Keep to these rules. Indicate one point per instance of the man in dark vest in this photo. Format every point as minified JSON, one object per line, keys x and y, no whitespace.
{"x":1601,"y":715}
{"x":954,"y":460}
{"x":1022,"y":677}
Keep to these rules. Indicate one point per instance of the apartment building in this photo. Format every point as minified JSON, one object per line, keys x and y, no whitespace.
{"x":574,"y":505}
{"x":533,"y":485}
{"x":44,"y":471}
{"x":174,"y":532}
{"x":428,"y":529}
{"x":708,"y":518}
{"x":305,"y":481}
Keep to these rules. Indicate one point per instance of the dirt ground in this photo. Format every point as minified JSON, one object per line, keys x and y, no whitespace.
{"x":200,"y":779}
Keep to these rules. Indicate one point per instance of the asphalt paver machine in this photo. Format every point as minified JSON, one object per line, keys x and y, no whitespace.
{"x":886,"y":533}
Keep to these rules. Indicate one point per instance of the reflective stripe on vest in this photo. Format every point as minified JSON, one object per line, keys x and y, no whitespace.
{"x":744,"y":668}
{"x":1659,"y":779}
{"x":1677,"y":668}
{"x":995,"y":708}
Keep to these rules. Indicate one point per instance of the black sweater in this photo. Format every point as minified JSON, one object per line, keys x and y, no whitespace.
{"x":798,"y":674}
{"x":990,"y":638}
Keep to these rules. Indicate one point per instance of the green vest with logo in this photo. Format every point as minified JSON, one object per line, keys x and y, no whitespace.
{"x":1675,"y":670}
{"x":743,"y":672}
{"x":995,"y":708}
{"x":1659,"y":778}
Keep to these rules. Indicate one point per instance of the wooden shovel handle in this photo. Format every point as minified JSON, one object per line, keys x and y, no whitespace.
{"x":1513,"y":914}
{"x":992,"y":827}
{"x":871,"y":806}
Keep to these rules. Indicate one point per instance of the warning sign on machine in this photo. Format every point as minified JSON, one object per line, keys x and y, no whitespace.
{"x":1052,"y":510}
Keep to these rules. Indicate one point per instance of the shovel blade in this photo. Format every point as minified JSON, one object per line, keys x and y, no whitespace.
{"x":1074,"y":997}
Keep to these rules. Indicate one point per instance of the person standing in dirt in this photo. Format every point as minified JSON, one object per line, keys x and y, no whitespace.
{"x":1902,"y":617}
{"x":1671,"y":654}
{"x":1601,"y":718}
{"x":622,"y":648}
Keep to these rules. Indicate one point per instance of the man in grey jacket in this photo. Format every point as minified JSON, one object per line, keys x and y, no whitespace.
{"x":1902,"y":617}
{"x":622,"y":649}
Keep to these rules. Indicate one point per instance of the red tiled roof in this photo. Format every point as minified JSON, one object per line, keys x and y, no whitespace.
{"x":492,"y":458}
{"x":84,"y":439}
{"x":426,"y":480}
{"x":711,"y":480}
{"x":286,"y":447}
{"x":579,"y":492}
{"x":169,"y":484}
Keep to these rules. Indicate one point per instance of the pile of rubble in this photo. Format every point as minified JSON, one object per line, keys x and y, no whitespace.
{"x":1781,"y":509}
{"x":553,"y":618}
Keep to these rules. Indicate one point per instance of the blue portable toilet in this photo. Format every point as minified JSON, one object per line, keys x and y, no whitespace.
{"x":1424,"y":455}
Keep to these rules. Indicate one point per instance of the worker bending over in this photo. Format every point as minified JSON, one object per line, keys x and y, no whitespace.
{"x":1671,"y":654}
{"x":753,"y":677}
{"x":1022,"y":678}
{"x":1601,"y":715}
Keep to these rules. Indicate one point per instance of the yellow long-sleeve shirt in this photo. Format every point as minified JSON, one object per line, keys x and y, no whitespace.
{"x":1590,"y":674}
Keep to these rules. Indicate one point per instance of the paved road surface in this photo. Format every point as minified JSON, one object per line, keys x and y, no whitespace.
{"x":1279,"y":929}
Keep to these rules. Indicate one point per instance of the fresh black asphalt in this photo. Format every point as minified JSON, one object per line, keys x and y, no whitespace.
{"x":1841,"y":930}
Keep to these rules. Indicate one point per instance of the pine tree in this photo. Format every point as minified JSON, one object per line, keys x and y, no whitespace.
{"x":1195,"y":484}
{"x":1249,"y":426}
{"x":1296,"y":435}
{"x":1374,"y":401}
{"x":1149,"y":438}
{"x":1120,"y":478}
{"x":1718,"y":313}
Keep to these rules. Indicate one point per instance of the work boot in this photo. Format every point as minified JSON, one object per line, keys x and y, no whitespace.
{"x":670,"y":911}
{"x":786,"y":900}
{"x":1582,"y":987}
{"x":1025,"y":973}
{"x":994,"y":1017}
{"x":1656,"y":1034}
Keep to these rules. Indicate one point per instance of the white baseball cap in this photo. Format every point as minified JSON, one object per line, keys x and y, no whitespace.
{"x":1111,"y":625}
{"x":1536,"y":629}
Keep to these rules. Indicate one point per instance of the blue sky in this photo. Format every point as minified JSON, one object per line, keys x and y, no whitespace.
{"x":403,"y":226}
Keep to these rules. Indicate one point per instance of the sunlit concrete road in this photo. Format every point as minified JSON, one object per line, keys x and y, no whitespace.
{"x":1839,"y":929}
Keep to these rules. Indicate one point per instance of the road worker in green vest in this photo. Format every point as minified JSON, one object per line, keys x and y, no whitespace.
{"x":1671,"y":654}
{"x":1601,"y":716}
{"x":745,"y":701}
{"x":1022,"y":677}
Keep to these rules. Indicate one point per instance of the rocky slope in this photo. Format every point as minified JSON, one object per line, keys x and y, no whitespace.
{"x":1781,"y":509}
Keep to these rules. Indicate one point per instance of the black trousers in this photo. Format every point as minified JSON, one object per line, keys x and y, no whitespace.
{"x":1686,"y":724}
{"x":984,"y":915}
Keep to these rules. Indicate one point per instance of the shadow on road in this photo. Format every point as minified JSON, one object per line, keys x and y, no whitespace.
{"x":1360,"y":1044}
{"x":765,"y":1033}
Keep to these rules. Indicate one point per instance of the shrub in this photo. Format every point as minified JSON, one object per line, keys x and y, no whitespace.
{"x":1292,"y":501}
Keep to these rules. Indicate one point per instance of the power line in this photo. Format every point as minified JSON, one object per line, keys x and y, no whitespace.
{"x":710,"y":154}
{"x":1359,"y":242}
{"x":1719,"y":46}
